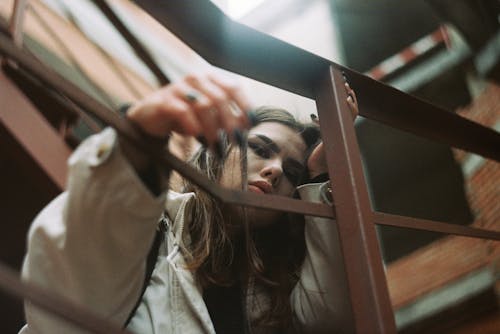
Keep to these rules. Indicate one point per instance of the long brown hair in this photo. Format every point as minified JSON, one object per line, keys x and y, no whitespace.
{"x":272,"y":255}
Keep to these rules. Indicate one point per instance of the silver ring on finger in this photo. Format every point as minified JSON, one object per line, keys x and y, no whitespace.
{"x":192,"y":96}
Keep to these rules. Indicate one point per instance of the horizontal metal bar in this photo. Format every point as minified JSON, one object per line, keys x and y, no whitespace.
{"x":392,"y":107}
{"x":125,"y":128}
{"x":434,"y":226}
{"x":274,"y":202}
{"x":239,"y":48}
{"x":11,"y":283}
{"x":235,"y":47}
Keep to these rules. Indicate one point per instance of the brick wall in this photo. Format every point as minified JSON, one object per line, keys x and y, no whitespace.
{"x":450,"y":258}
{"x":483,"y":183}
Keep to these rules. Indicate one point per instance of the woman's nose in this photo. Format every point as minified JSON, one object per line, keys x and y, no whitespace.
{"x":272,"y":172}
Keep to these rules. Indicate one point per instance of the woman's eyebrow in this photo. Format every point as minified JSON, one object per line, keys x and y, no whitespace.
{"x":269,"y":142}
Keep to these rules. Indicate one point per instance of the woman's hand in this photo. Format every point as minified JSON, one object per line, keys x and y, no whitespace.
{"x":317,"y":160}
{"x":198,"y":105}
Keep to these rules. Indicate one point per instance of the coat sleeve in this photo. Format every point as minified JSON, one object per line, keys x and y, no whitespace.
{"x":90,"y":243}
{"x":315,"y":299}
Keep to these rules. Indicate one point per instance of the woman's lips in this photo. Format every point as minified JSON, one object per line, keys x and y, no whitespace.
{"x":260,"y":187}
{"x":255,"y":189}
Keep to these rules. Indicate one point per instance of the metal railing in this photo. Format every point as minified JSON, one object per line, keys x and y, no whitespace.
{"x":366,"y":306}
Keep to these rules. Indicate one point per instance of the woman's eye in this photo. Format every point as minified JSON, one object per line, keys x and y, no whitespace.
{"x":260,"y":150}
{"x":292,"y":172}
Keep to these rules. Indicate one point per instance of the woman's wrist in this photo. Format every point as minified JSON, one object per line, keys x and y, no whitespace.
{"x":148,"y":171}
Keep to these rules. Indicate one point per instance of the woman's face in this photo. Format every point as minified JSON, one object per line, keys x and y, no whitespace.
{"x":275,"y":159}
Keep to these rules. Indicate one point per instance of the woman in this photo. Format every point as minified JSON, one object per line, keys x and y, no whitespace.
{"x":216,"y":268}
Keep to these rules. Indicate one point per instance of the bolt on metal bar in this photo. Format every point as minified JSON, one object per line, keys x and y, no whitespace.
{"x":371,"y":307}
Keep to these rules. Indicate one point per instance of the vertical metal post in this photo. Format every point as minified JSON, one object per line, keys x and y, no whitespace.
{"x":371,"y":307}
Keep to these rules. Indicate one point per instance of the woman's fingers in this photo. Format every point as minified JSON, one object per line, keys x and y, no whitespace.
{"x":316,"y":163}
{"x":158,"y":113}
{"x":202,"y":108}
{"x":198,"y":105}
{"x":227,"y":100}
{"x":218,"y":103}
{"x":240,"y":105}
{"x":352,"y":100}
{"x":184,"y":121}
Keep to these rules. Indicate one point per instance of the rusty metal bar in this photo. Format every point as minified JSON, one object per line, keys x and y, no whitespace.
{"x":371,"y":307}
{"x":381,"y":218}
{"x":235,"y":47}
{"x":404,"y":112}
{"x":10,"y":283}
{"x":136,"y":45}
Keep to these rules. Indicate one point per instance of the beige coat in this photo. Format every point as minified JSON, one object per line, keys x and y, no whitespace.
{"x":90,"y":245}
